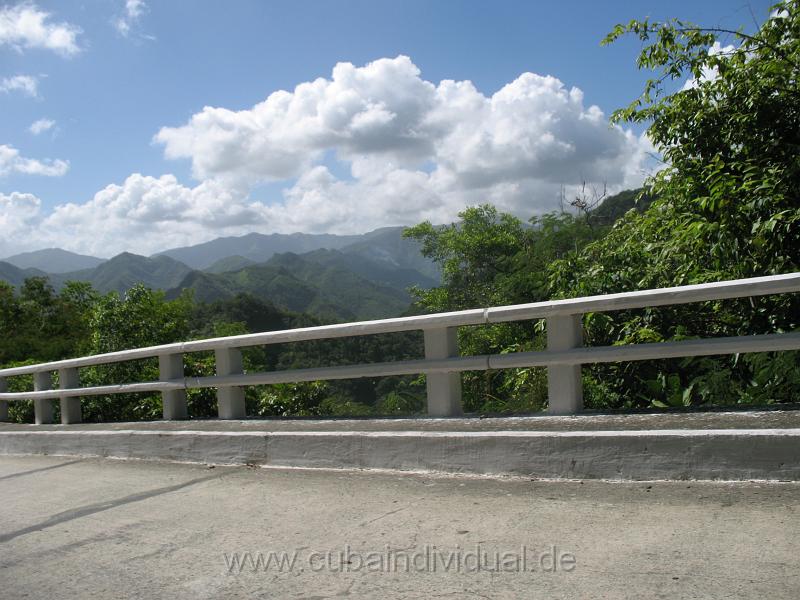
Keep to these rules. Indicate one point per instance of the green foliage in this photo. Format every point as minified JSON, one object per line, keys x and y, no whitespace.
{"x":21,"y":412}
{"x":401,"y":403}
{"x":729,"y":192}
{"x":727,"y":208}
{"x":477,"y":256}
{"x":326,"y":399}
{"x":292,"y":399}
{"x":38,"y":322}
{"x":142,"y":317}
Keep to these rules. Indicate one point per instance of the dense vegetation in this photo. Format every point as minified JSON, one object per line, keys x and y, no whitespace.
{"x":724,"y":206}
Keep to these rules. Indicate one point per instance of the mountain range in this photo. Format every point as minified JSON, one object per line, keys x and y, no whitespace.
{"x":257,"y":247}
{"x":336,"y":277}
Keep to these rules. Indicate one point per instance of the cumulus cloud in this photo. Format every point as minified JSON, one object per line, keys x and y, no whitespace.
{"x":368,"y":147}
{"x":26,"y":26}
{"x":41,"y":125}
{"x":404,"y":139}
{"x":19,"y":215}
{"x":12,"y":162}
{"x":27,"y":85}
{"x":378,"y":109}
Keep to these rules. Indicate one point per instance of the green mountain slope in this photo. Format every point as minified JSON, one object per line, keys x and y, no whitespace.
{"x":614,"y":207}
{"x":230,"y":263}
{"x":377,"y":271}
{"x":126,"y":270}
{"x":387,"y":246}
{"x":295,"y":283}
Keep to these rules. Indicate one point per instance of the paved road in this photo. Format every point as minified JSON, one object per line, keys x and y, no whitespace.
{"x":80,"y":528}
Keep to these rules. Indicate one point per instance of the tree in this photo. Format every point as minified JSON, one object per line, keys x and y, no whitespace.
{"x":489,"y":258}
{"x":476,"y":256}
{"x":36,"y":323}
{"x":730,"y":140}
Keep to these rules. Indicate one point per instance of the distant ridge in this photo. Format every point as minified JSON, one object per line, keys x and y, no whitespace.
{"x":16,"y":276}
{"x":54,"y":260}
{"x":256,"y":247}
{"x":385,"y":245}
{"x":229,"y":263}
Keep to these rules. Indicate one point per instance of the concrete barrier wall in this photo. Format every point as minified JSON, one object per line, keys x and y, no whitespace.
{"x":772,"y":454}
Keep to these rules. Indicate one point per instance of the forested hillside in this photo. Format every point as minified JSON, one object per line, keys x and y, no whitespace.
{"x":301,"y":284}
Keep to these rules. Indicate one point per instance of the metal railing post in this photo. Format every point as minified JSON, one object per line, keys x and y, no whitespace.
{"x":230,"y":400}
{"x":564,"y":387}
{"x":170,"y":366}
{"x":43,"y":407}
{"x":443,"y":389}
{"x":70,"y":406}
{"x":3,"y":403}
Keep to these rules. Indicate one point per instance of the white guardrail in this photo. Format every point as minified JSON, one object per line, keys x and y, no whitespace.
{"x":442,"y":363}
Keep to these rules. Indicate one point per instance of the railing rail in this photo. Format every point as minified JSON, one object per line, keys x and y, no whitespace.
{"x":442,"y":364}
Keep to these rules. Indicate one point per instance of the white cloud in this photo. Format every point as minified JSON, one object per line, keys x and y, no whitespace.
{"x":41,"y":125}
{"x":26,"y":26}
{"x":147,"y":214}
{"x":12,"y":162}
{"x":533,"y":128}
{"x":18,"y":207}
{"x":414,"y":150}
{"x":28,"y":85}
{"x":378,"y":109}
{"x":131,"y":15}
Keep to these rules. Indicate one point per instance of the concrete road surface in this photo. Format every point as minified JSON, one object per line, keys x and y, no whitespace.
{"x":81,"y":528}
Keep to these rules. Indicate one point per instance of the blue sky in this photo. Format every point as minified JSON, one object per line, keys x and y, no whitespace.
{"x":130,"y":70}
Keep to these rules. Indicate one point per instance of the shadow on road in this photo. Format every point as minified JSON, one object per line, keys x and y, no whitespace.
{"x":32,"y":471}
{"x":70,"y":515}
